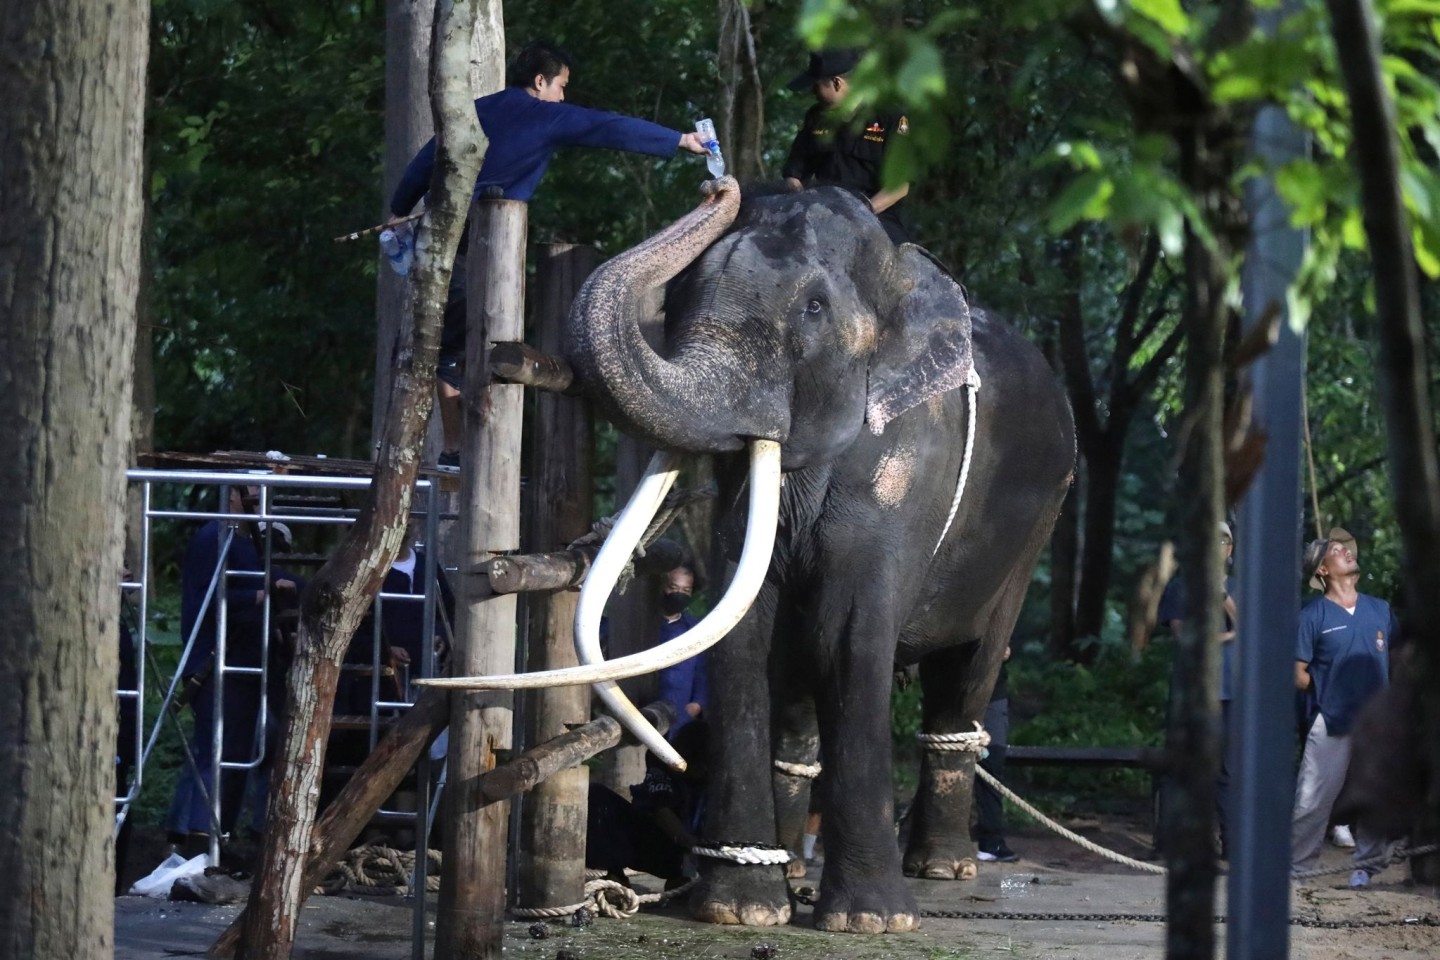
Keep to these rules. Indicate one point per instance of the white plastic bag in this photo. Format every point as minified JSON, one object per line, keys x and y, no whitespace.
{"x":158,"y":883}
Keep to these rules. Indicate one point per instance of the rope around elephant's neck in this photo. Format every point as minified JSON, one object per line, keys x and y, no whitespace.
{"x":972,"y":387}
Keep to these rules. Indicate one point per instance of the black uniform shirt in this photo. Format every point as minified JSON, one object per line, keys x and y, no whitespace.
{"x":828,"y":151}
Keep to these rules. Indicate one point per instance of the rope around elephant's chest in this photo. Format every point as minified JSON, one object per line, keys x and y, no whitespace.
{"x":972,"y":387}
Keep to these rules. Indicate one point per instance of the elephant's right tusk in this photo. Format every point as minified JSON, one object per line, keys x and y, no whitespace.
{"x":744,"y":586}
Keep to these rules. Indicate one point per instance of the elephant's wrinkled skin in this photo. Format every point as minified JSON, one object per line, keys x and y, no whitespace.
{"x":801,"y":323}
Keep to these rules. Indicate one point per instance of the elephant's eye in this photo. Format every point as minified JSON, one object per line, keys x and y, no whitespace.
{"x":813,"y":307}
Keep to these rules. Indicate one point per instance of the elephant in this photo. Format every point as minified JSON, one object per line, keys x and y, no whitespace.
{"x":909,"y":455}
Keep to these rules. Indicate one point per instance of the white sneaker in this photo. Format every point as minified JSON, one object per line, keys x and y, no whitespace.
{"x":1342,"y":837}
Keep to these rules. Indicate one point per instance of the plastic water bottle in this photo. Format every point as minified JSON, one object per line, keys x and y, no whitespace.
{"x":705,"y":129}
{"x":398,"y":245}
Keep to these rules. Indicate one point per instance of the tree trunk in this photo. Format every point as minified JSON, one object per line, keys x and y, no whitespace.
{"x":72,"y":78}
{"x":1409,"y":420}
{"x":1064,"y":551}
{"x":336,"y":600}
{"x":1188,"y":827}
{"x":741,"y":123}
{"x":407,"y":126}
{"x":556,"y":512}
{"x":1102,"y":488}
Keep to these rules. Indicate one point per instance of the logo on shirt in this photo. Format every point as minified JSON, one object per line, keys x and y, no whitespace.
{"x":1380,"y":640}
{"x":875,"y":133}
{"x":1343,"y":626}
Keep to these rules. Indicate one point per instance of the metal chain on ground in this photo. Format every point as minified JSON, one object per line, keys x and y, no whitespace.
{"x":381,"y":866}
{"x":1311,"y":922}
{"x":806,"y":771}
{"x":608,"y":898}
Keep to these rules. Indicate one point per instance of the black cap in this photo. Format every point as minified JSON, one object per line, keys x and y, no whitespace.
{"x":827,"y":63}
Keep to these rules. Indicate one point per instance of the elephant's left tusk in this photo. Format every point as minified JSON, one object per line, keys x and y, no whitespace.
{"x":749,"y":576}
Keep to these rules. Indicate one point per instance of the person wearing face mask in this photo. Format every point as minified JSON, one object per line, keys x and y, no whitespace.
{"x":685,"y":685}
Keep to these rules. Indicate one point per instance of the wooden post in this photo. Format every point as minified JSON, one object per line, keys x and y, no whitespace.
{"x":470,"y":919}
{"x":557,"y":510}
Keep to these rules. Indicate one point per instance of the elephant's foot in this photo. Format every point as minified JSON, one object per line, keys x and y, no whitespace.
{"x":941,"y":861}
{"x":732,"y":893}
{"x":868,"y":905}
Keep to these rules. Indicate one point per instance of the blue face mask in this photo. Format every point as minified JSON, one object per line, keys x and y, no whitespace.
{"x":673,"y":603}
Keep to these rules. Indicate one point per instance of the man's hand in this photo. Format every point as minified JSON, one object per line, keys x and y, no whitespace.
{"x":794,"y":184}
{"x":693,"y":709}
{"x":691,"y":142}
{"x":399,"y":654}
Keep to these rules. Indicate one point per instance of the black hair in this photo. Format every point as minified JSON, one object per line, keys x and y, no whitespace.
{"x":545,"y":59}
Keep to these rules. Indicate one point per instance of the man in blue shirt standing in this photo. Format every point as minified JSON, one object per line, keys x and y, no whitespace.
{"x":1342,"y":659}
{"x":525,"y":124}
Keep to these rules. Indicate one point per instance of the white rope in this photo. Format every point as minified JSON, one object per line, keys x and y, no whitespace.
{"x":972,"y":742}
{"x":750,"y":854}
{"x":972,"y":386}
{"x":609,"y":898}
{"x":1071,"y":835}
{"x":807,"y":771}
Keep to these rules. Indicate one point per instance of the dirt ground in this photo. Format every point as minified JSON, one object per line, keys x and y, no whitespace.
{"x":1052,"y":877}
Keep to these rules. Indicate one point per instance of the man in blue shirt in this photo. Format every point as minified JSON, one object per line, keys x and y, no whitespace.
{"x":1343,"y":659}
{"x":525,"y":124}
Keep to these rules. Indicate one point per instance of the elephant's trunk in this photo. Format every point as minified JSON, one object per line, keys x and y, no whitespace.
{"x":691,"y":402}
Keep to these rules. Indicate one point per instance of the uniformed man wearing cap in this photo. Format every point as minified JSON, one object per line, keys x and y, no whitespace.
{"x":1342,"y":659}
{"x":831,"y":149}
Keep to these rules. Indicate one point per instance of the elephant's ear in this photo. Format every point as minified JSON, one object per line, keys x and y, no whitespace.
{"x":925,"y":349}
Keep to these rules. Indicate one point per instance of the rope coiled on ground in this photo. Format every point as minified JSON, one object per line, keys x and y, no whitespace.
{"x":608,"y":898}
{"x":376,"y":866}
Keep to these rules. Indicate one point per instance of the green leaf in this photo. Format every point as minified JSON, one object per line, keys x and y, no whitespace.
{"x":1168,"y":14}
{"x":1086,"y":198}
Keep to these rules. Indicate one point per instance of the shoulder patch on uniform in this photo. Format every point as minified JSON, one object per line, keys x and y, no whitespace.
{"x":903,"y":126}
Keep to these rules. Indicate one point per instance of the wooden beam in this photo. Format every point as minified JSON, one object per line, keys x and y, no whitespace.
{"x":531,"y":572}
{"x":557,"y":508}
{"x":529,"y":367}
{"x":470,"y":919}
{"x":355,"y":805}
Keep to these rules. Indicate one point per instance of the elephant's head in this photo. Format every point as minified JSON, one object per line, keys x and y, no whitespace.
{"x":793,"y":318}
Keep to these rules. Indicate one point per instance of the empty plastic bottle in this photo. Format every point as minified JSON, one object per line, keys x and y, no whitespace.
{"x":706,"y":131}
{"x":398,"y":244}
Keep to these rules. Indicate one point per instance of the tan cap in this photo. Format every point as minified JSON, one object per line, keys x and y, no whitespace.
{"x":1316,"y":550}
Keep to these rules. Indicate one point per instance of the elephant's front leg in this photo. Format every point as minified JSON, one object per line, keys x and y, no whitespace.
{"x":740,"y":804}
{"x":796,"y":765}
{"x":940,"y":847}
{"x":862,"y":889}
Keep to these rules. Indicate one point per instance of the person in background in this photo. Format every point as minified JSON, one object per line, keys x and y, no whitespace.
{"x":833,"y":149}
{"x":244,"y":643}
{"x":525,"y":124}
{"x":989,"y":806}
{"x":1172,"y":614}
{"x":1342,"y":656}
{"x":686,"y":685}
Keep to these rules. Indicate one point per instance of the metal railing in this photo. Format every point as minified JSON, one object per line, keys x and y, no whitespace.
{"x":272,"y":508}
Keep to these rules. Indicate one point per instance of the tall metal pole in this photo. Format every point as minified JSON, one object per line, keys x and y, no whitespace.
{"x":1262,"y":739}
{"x":470,"y":921}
